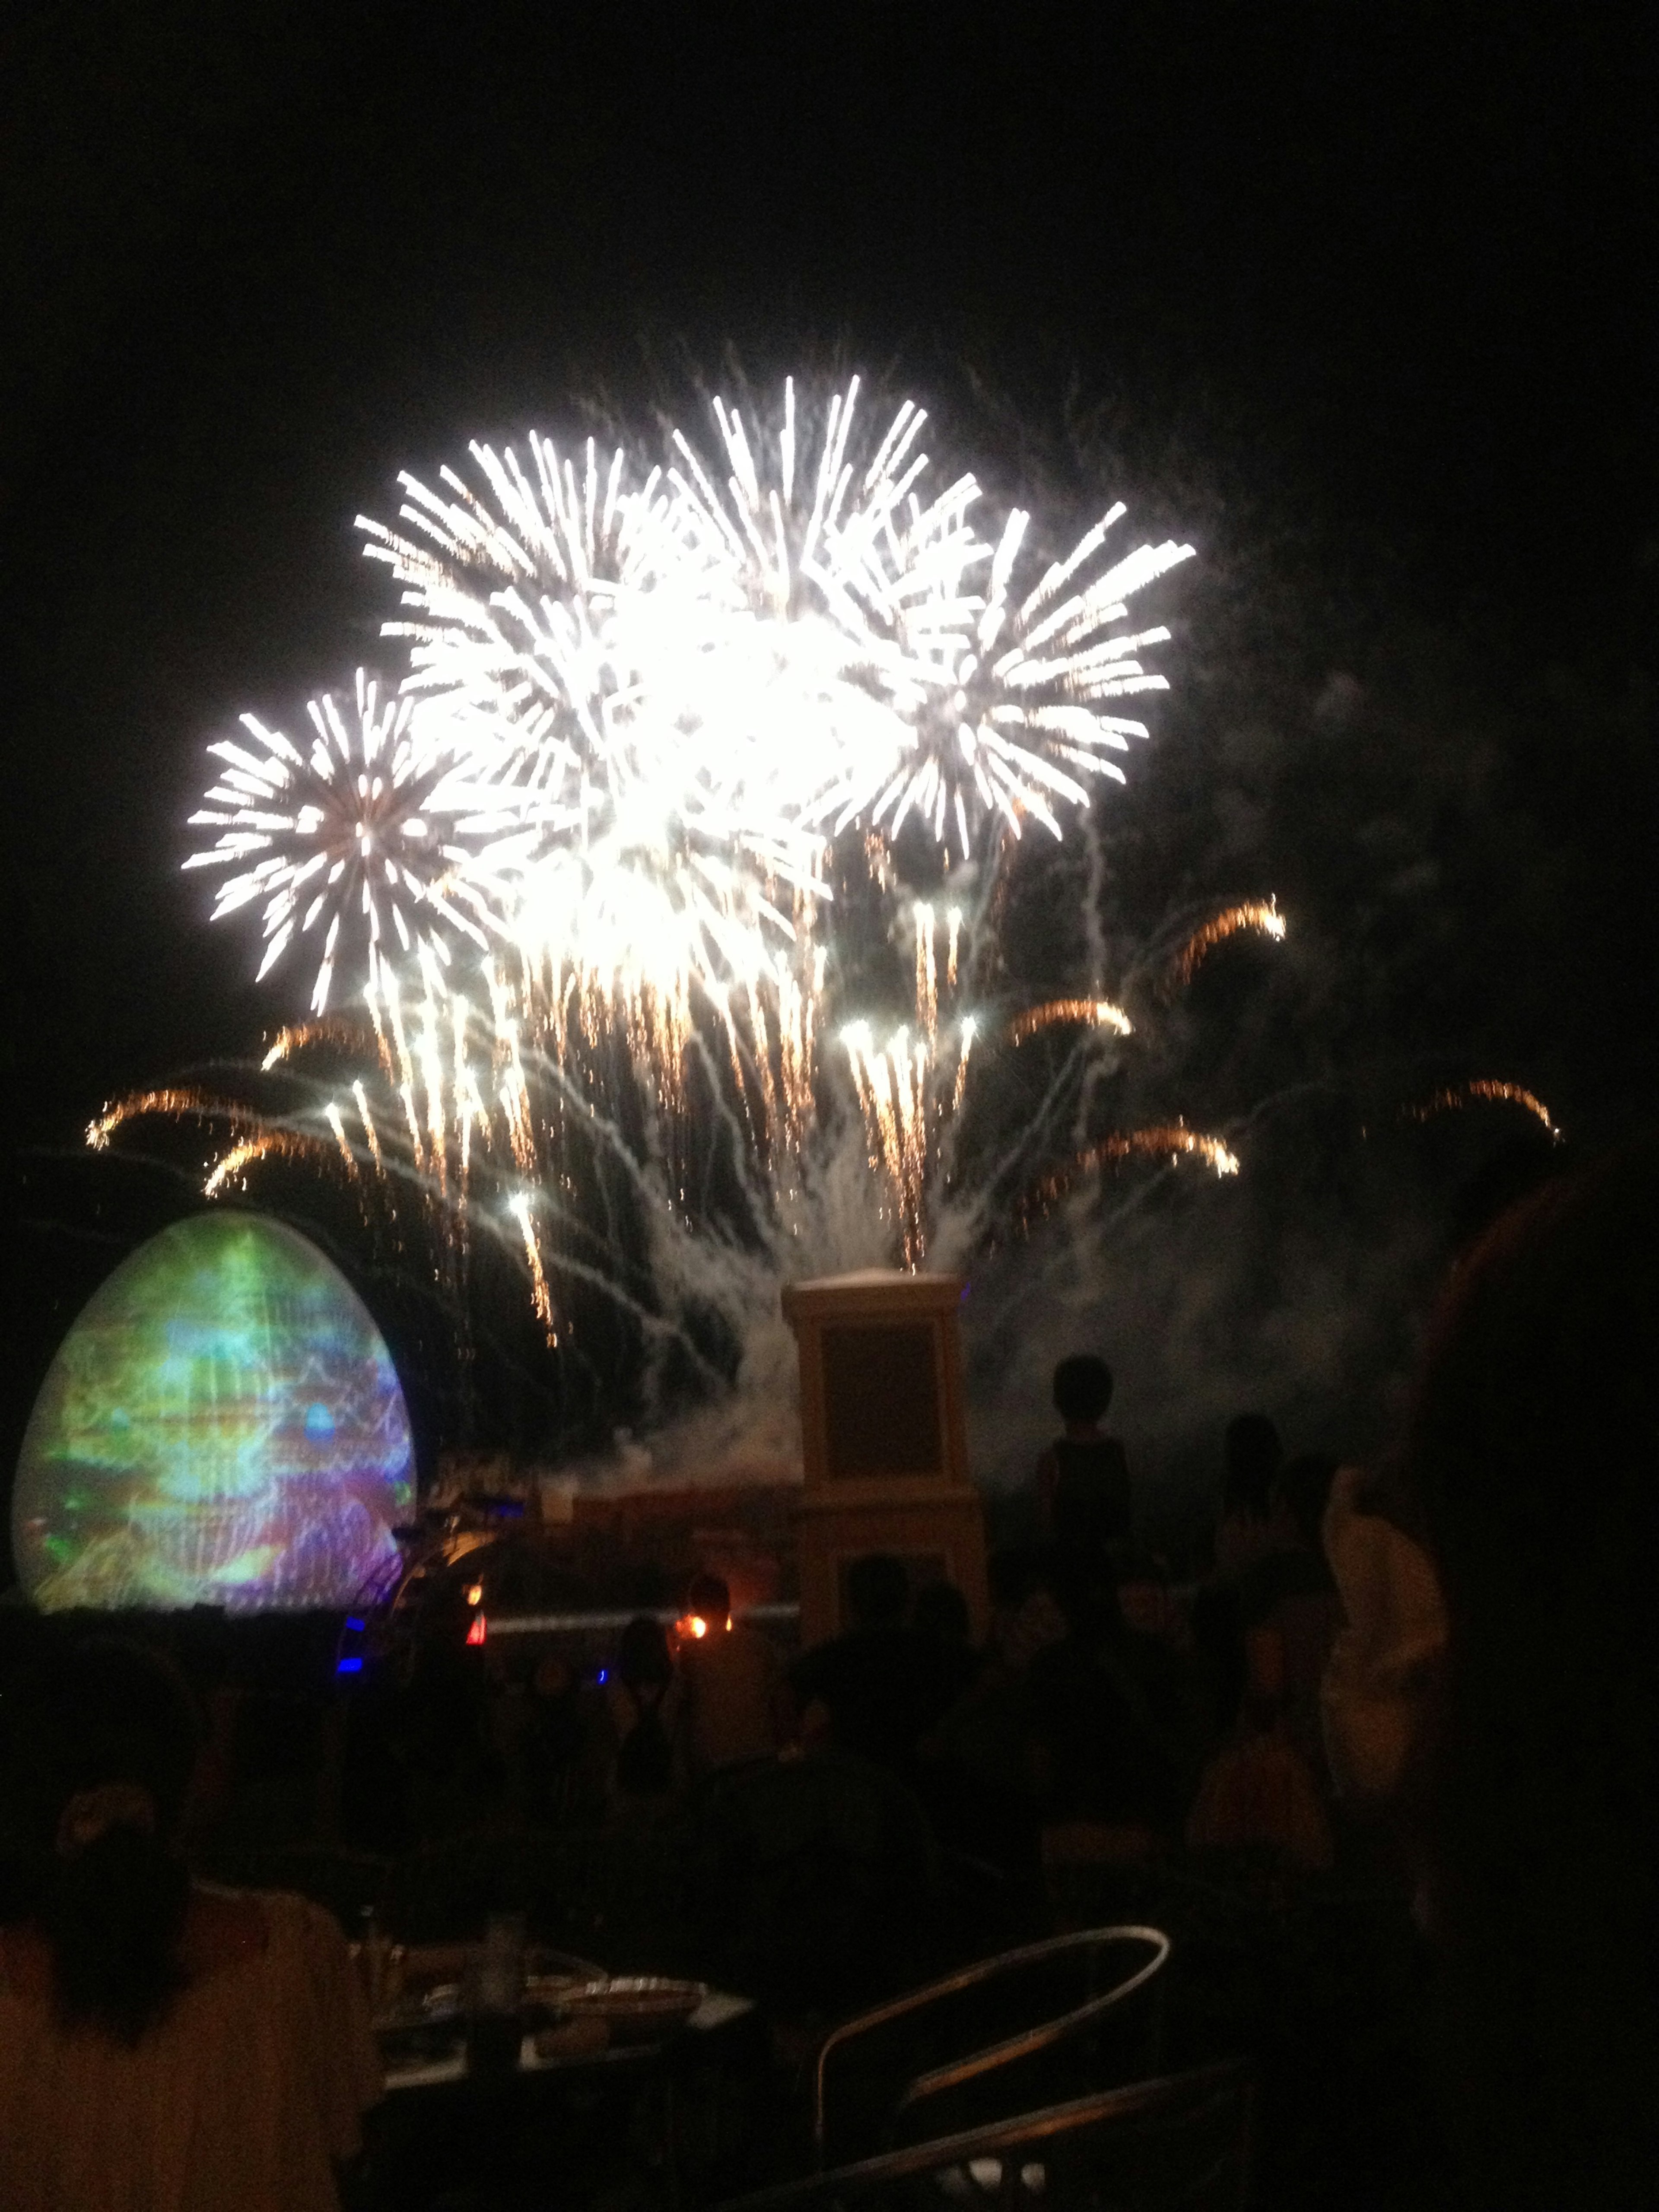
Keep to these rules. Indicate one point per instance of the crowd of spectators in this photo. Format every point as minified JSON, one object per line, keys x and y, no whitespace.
{"x":1442,"y":1676}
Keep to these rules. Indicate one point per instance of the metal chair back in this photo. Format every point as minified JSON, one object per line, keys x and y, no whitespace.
{"x":1027,"y":2042}
{"x":1179,"y":2143}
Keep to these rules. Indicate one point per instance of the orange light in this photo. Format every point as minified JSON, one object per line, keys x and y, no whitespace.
{"x":479,"y":1630}
{"x":474,"y":1595}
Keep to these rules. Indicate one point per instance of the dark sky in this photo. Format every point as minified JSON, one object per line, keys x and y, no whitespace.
{"x":1397,"y":261}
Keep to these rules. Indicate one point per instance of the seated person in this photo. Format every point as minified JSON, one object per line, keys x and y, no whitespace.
{"x":941,"y":1619}
{"x":1523,"y":1766}
{"x":1290,"y":1590}
{"x":162,"y":2044}
{"x":1259,"y":1792}
{"x":1251,"y":1456}
{"x":1083,"y":1478}
{"x":870,"y":1685}
{"x":1106,"y":1743}
{"x":642,"y":1696}
{"x":734,"y":1701}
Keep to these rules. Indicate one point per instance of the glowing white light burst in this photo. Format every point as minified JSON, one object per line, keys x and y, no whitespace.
{"x":887,"y":628}
{"x":559,"y":629}
{"x":578,"y":868}
{"x":1014,"y":708}
{"x":640,"y":702}
{"x":355,"y":828}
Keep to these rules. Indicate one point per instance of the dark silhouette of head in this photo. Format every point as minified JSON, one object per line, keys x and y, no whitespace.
{"x":709,"y":1599}
{"x":101,"y":1744}
{"x":941,"y":1610}
{"x":1535,"y":1455}
{"x":1304,"y":1484}
{"x":1083,"y":1388}
{"x":643,"y":1659}
{"x":877,"y":1591}
{"x":1251,"y":1457}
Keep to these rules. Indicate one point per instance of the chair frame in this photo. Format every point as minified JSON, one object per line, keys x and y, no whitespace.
{"x":1202,"y":2088}
{"x":1045,"y":2035}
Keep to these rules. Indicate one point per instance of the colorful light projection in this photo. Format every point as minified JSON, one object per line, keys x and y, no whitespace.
{"x":222,"y":1426}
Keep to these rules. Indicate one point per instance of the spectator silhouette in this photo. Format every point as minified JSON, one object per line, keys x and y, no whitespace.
{"x":1287,"y":1594}
{"x":1083,"y":1478}
{"x":563,"y":1748}
{"x":1106,"y":1738}
{"x":1259,"y":1793}
{"x":951,"y":1664}
{"x":872,"y":1684}
{"x":160,"y":2044}
{"x":1535,"y":1459}
{"x":1251,"y":1456}
{"x":735,"y":1702}
{"x":640,"y":1694}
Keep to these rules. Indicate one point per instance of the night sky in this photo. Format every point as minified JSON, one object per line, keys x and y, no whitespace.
{"x":1368,"y":293}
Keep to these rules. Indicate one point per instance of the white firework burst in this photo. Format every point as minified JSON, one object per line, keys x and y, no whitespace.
{"x":643,"y":701}
{"x":359,"y":828}
{"x":833,"y":571}
{"x":562,"y":627}
{"x":1016,"y":708}
{"x":884,"y":638}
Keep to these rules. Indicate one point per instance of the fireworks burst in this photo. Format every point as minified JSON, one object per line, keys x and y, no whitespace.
{"x":935,"y":691}
{"x":351,"y":828}
{"x":560,"y":626}
{"x":1016,"y":710}
{"x":662,"y":728}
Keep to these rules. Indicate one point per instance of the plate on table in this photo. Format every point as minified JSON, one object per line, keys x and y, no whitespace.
{"x":634,"y":2008}
{"x":421,"y":2024}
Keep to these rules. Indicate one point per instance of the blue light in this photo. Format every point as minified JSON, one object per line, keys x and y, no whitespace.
{"x":604,"y":1675}
{"x":352,"y":1621}
{"x":350,"y":1667}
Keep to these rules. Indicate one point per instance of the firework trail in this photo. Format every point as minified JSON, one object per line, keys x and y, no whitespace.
{"x":1170,"y":1143}
{"x":1483,"y":1090}
{"x":1252,"y":913}
{"x":1092,"y":1013}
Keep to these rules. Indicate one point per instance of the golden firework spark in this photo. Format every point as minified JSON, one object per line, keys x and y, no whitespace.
{"x":1454,"y":1097}
{"x":892,"y":1085}
{"x":1250,"y":914}
{"x":303,"y":1037}
{"x":179,"y":1105}
{"x":541,"y":1296}
{"x":1172,"y":1141}
{"x":1096,"y":1013}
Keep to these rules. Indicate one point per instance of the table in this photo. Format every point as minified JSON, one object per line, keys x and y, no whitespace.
{"x":565,"y":2125}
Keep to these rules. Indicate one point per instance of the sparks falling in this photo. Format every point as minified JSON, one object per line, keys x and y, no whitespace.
{"x":581,"y":882}
{"x":1261,"y":914}
{"x":1484,"y":1089}
{"x":1092,"y":1013}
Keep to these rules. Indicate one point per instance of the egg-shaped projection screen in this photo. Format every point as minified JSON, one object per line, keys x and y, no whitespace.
{"x":222,"y":1426}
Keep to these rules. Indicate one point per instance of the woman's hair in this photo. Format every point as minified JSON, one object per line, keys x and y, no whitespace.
{"x":111,"y":1716}
{"x":1535,"y":1455}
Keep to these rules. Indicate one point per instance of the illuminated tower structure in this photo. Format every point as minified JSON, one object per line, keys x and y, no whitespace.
{"x":885,"y":1441}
